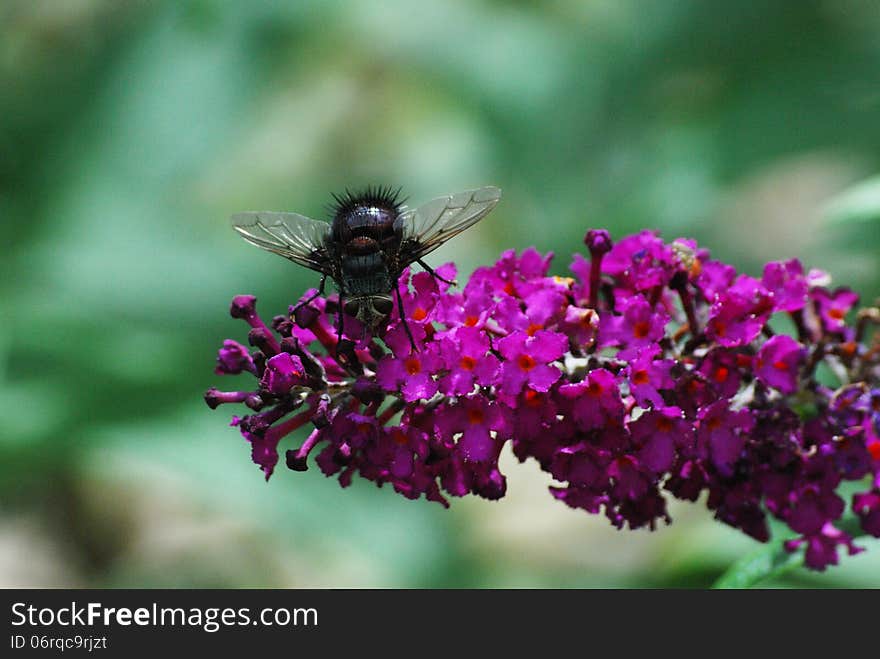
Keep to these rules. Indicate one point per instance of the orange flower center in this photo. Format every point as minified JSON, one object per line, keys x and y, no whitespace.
{"x":475,"y":416}
{"x":399,"y":437}
{"x":419,"y":314}
{"x":533,"y":398}
{"x":714,"y":423}
{"x":874,"y":450}
{"x":526,"y":362}
{"x":470,"y":321}
{"x":664,"y":424}
{"x":721,"y":374}
{"x":413,"y":366}
{"x":532,"y":328}
{"x":836,"y":314}
{"x":468,"y":363}
{"x":780,"y":365}
{"x":640,"y":377}
{"x":594,"y":389}
{"x":641,"y":329}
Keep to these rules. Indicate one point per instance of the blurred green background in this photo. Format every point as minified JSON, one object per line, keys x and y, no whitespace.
{"x":130,"y":131}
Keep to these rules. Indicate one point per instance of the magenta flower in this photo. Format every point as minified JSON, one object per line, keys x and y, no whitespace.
{"x":639,"y":325}
{"x":594,"y":402}
{"x":648,"y":376}
{"x":476,"y":418}
{"x":514,"y":275}
{"x":472,"y":308}
{"x":534,"y":414}
{"x":833,"y":307}
{"x":778,"y":362}
{"x":421,"y":302}
{"x":721,"y":370}
{"x":527,"y":360}
{"x":582,"y":268}
{"x":867,"y":507}
{"x":233,"y":358}
{"x":411,"y":374}
{"x":640,"y":262}
{"x":714,"y":278}
{"x":659,"y":435}
{"x":787,"y":284}
{"x":821,"y":547}
{"x":653,"y":373}
{"x":282,"y":373}
{"x":739,"y":313}
{"x":468,"y":360}
{"x":721,"y":433}
{"x":581,"y":325}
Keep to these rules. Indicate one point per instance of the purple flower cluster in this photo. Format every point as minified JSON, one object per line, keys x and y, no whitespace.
{"x":655,"y":371}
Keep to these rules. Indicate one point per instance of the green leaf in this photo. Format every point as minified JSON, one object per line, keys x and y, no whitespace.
{"x":769,"y":561}
{"x":860,"y":203}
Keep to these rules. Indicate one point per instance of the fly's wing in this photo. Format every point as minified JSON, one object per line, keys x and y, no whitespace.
{"x":293,"y":236}
{"x":427,"y":227}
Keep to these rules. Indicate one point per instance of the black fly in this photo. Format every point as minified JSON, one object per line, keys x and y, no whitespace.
{"x":369,"y":242}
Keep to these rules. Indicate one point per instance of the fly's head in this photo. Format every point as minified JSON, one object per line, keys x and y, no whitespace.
{"x":370,"y":310}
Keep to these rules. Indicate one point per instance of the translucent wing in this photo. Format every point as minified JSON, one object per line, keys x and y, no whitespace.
{"x":427,"y":227}
{"x":293,"y":236}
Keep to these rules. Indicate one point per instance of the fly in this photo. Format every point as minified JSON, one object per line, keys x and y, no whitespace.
{"x":371,"y":239}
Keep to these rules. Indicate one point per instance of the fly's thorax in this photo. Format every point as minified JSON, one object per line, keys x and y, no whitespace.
{"x":367,"y":220}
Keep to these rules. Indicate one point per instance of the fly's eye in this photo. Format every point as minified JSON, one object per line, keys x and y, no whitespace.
{"x":352,"y":307}
{"x":383,"y":305}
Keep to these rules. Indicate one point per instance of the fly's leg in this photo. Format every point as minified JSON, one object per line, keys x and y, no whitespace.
{"x":305,"y":303}
{"x":403,"y":319}
{"x":344,"y":350}
{"x":340,"y":316}
{"x":340,"y":355}
{"x":431,"y":272}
